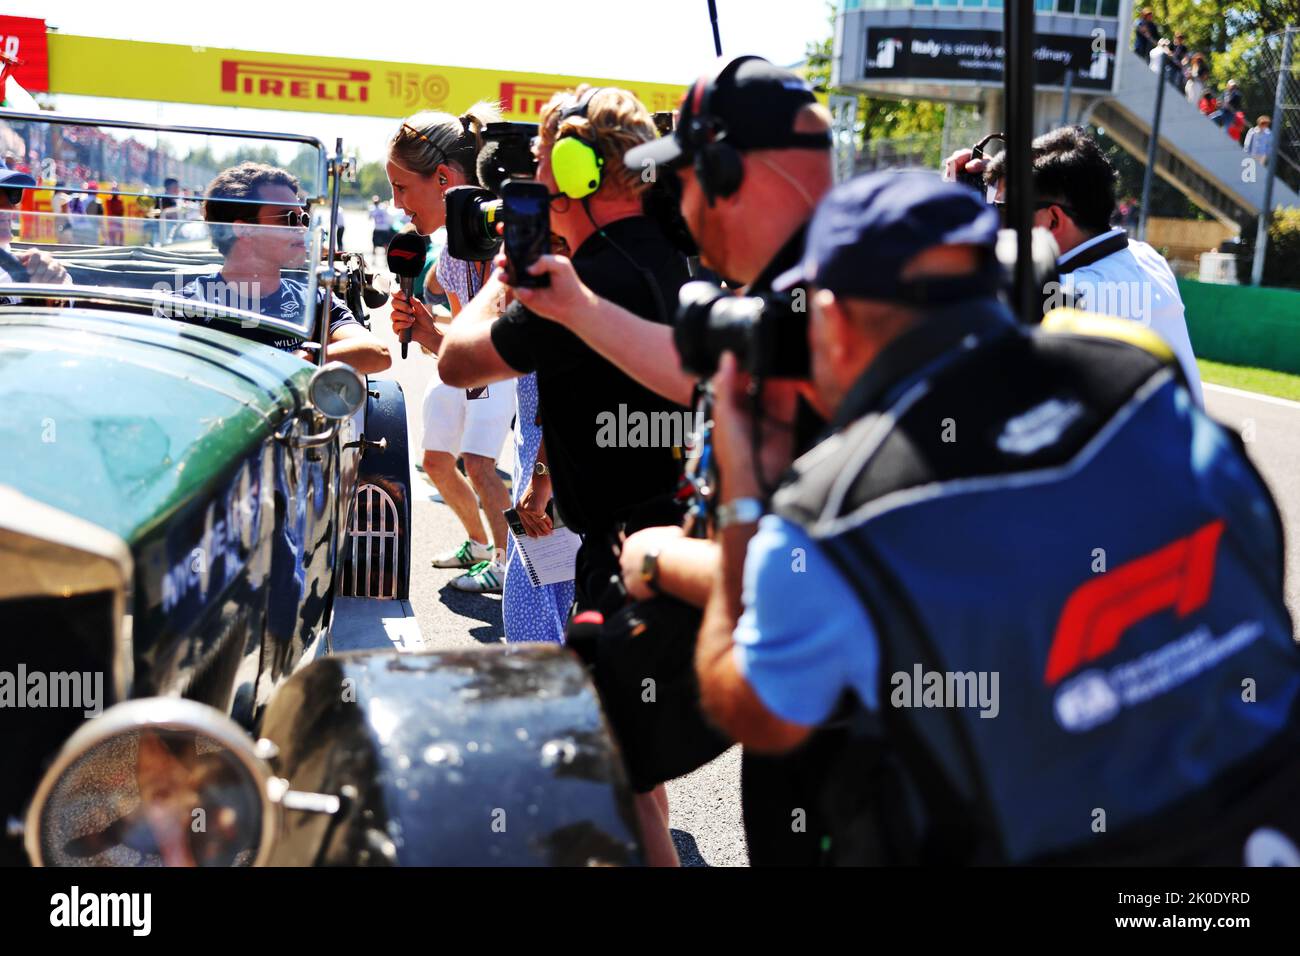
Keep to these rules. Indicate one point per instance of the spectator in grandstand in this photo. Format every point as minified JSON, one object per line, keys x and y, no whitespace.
{"x":1146,"y":34}
{"x":1198,"y":74}
{"x":1237,"y":127}
{"x":1259,"y":140}
{"x":1232,"y":100}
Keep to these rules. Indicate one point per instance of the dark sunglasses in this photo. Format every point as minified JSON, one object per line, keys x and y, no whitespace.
{"x":292,"y":217}
{"x":15,"y":196}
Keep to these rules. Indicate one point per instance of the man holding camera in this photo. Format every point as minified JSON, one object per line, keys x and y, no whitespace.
{"x":751,"y":147}
{"x":598,"y":490}
{"x":1080,"y":535}
{"x":1101,"y":269}
{"x":751,"y":153}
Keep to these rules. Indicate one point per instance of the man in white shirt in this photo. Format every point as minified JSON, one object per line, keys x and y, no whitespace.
{"x":1102,"y":269}
{"x":1259,"y":140}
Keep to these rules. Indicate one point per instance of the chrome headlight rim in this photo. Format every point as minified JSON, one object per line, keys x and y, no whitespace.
{"x":162,"y":713}
{"x":332,"y":371}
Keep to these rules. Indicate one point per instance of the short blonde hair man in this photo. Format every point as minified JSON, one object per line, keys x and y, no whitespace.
{"x":614,"y":121}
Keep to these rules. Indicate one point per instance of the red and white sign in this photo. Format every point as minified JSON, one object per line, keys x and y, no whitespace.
{"x":23,"y":39}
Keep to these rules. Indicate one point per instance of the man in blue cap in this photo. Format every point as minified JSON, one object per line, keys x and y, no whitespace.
{"x":27,"y":265}
{"x":1025,"y":581}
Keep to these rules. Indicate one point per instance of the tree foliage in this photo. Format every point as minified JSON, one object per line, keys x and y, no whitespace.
{"x":877,"y":118}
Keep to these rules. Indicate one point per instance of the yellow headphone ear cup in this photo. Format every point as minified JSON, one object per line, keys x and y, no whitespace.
{"x":576,"y":167}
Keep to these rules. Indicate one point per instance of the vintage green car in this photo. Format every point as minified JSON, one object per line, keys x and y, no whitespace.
{"x":189,"y":517}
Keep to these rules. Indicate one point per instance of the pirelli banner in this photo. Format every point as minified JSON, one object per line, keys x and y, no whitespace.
{"x":126,"y":69}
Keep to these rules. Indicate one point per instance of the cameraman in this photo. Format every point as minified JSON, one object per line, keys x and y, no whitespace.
{"x":751,"y":167}
{"x":752,"y":155}
{"x":601,"y":492}
{"x":1101,"y":269}
{"x":936,"y":532}
{"x":622,"y":253}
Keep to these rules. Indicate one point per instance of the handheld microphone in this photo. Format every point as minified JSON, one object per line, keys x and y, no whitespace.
{"x":406,"y":252}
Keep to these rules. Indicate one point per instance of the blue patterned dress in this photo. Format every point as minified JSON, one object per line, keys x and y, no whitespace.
{"x":529,"y":613}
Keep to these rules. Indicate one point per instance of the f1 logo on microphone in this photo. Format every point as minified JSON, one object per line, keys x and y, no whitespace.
{"x":1178,"y":575}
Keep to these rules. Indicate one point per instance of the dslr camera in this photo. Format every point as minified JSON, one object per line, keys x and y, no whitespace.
{"x":976,"y":180}
{"x":766,"y":333}
{"x":474,"y":211}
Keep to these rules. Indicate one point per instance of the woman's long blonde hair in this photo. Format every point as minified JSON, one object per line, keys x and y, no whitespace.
{"x":430,"y":138}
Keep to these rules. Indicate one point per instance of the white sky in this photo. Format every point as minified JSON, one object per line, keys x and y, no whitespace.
{"x":664,"y":40}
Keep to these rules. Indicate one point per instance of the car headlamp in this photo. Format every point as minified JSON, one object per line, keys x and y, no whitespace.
{"x":157,"y":781}
{"x":336,"y":391}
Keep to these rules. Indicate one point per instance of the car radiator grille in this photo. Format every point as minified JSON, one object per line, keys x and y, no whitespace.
{"x":370,"y":563}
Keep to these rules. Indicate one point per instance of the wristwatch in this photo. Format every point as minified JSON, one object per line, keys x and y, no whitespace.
{"x":650,"y":570}
{"x":541,"y":470}
{"x":740,"y":511}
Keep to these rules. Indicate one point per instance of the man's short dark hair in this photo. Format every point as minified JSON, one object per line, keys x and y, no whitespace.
{"x":1069,"y":167}
{"x":239,"y":183}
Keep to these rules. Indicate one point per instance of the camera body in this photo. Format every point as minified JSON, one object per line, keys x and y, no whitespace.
{"x":766,"y":333}
{"x":976,"y":180}
{"x":474,"y":211}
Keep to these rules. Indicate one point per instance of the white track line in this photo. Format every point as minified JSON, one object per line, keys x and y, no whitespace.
{"x":1242,"y":393}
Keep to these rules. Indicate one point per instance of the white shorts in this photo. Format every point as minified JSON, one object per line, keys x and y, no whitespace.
{"x":463,"y":426}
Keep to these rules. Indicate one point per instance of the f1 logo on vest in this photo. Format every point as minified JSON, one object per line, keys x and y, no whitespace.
{"x":1178,"y":575}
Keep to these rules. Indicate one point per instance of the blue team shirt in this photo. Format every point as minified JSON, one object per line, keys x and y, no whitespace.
{"x":797,"y":657}
{"x":287,"y":302}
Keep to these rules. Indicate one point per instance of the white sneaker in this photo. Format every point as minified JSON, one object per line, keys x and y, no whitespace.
{"x":485,"y":577}
{"x":466,"y":556}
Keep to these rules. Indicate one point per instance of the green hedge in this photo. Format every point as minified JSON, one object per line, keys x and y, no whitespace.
{"x":1244,"y":325}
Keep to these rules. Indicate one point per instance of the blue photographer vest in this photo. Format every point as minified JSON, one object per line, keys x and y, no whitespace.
{"x":1077,"y":585}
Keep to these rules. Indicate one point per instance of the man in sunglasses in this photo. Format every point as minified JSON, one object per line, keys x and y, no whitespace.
{"x":25,"y":265}
{"x":259,"y":225}
{"x":1101,"y":269}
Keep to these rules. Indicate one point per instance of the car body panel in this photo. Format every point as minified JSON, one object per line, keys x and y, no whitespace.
{"x":120,"y":419}
{"x":489,"y":756}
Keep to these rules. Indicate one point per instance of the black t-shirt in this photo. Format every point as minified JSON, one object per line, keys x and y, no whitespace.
{"x":590,"y":409}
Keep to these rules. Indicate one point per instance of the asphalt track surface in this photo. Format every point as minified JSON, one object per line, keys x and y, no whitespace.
{"x":705,"y":806}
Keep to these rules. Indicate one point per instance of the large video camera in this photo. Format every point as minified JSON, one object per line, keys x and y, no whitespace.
{"x":474,"y":211}
{"x":766,"y":333}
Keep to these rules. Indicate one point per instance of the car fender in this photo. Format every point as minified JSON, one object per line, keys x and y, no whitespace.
{"x":491,"y":756}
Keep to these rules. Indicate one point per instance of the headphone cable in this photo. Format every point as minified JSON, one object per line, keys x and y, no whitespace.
{"x":646,"y":274}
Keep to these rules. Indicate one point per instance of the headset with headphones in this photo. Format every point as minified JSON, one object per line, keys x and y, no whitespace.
{"x":718,"y":165}
{"x":576,"y":162}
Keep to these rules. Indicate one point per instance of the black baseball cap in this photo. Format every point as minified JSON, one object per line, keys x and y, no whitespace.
{"x":867,"y":229}
{"x":748,"y":102}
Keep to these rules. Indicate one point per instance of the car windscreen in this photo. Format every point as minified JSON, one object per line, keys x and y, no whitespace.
{"x":208,"y":224}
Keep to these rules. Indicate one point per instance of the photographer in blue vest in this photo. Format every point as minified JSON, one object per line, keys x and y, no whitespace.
{"x":1033,"y":587}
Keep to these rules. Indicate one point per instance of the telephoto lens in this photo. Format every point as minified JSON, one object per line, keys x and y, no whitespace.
{"x":472,"y":216}
{"x":767,"y":336}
